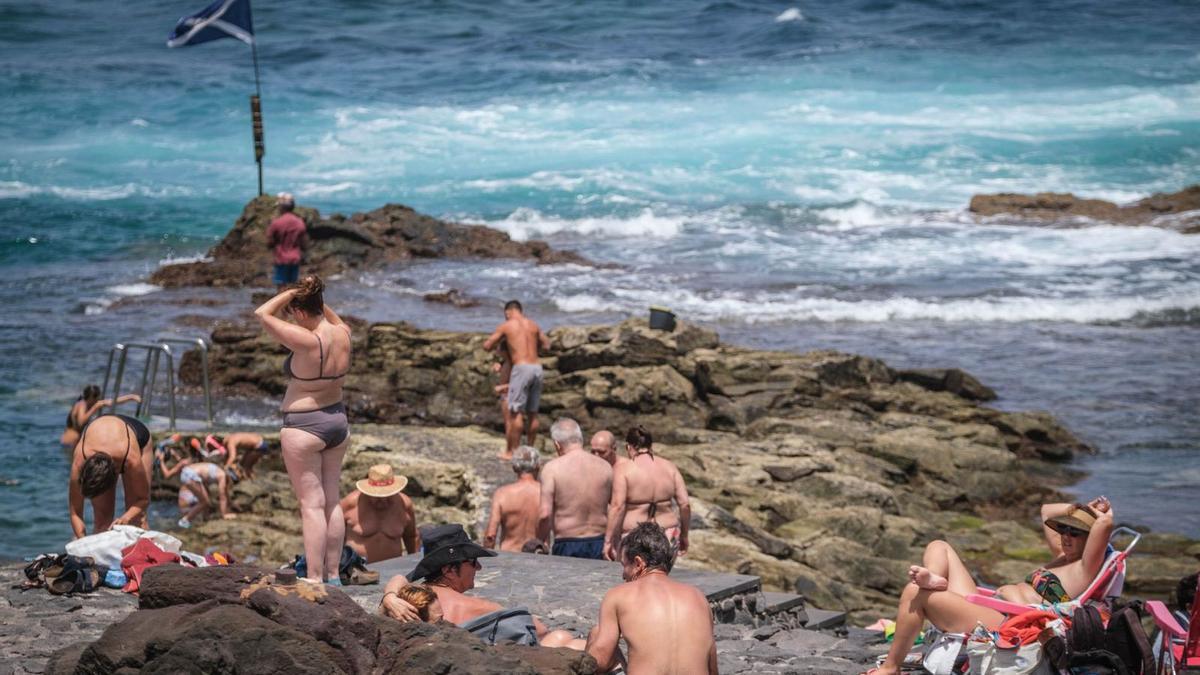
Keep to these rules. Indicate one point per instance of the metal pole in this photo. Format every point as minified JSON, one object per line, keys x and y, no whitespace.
{"x":207,"y":391}
{"x":142,"y":390}
{"x":117,"y":380}
{"x":170,"y":382}
{"x":149,"y":397}
{"x":260,"y":147}
{"x":108,"y":369}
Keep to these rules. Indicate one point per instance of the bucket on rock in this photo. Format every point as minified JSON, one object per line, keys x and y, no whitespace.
{"x":662,"y":318}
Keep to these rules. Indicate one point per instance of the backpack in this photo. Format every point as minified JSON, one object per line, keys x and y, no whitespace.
{"x":1120,"y":649}
{"x":1127,"y":639}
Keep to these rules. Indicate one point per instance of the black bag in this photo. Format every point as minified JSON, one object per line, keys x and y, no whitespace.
{"x":1096,"y":662}
{"x":1127,"y":639}
{"x":1087,"y":630}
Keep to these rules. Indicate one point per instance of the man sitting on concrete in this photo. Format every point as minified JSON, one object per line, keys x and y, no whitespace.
{"x":576,"y":487}
{"x":666,"y":625}
{"x":380,"y":522}
{"x":448,"y":568}
{"x":604,"y":446}
{"x":515,"y":506}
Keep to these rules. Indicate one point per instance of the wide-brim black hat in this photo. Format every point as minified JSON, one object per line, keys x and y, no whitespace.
{"x":446,"y":545}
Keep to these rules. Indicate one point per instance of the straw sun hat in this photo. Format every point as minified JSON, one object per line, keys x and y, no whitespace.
{"x":381,"y":482}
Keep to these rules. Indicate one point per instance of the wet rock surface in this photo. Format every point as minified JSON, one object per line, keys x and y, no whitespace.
{"x":1178,"y":210}
{"x":339,"y":243}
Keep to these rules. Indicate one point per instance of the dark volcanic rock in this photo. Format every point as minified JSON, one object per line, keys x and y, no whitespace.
{"x":339,"y":243}
{"x":1178,"y":210}
{"x":167,"y":585}
{"x":451,"y":297}
{"x":289,"y":629}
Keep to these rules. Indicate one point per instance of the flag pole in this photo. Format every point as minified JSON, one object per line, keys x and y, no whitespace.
{"x":256,"y":117}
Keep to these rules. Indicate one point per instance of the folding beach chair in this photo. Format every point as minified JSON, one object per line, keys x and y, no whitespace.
{"x":1178,"y":644}
{"x":1108,"y":584}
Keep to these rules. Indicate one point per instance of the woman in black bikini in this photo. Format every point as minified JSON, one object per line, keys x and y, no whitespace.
{"x":88,"y":404}
{"x":111,"y":446}
{"x":1077,"y":536}
{"x":315,"y":432}
{"x":642,"y":491}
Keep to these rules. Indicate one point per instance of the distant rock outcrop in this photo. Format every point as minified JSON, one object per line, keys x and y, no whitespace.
{"x":1178,"y":211}
{"x":339,"y":243}
{"x":618,"y":375}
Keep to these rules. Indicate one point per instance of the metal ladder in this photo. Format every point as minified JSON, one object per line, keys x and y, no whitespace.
{"x":155,"y":350}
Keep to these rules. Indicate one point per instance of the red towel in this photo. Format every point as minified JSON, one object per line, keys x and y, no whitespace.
{"x":139,"y":557}
{"x":1024,"y":628}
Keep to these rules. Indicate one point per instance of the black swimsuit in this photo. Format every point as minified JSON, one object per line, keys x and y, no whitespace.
{"x":133,"y":424}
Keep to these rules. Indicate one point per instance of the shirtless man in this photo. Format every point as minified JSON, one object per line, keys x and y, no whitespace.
{"x":666,"y":624}
{"x":524,"y":339}
{"x":247,"y":446}
{"x":448,"y":567}
{"x":380,"y":522}
{"x":515,"y":506}
{"x":604,"y":446}
{"x":575,"y":491}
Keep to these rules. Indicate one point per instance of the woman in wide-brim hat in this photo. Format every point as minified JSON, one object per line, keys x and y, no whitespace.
{"x":1077,"y":535}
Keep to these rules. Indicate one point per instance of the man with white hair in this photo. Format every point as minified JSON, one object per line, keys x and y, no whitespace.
{"x":287,"y":237}
{"x":515,"y":506}
{"x":576,"y":487}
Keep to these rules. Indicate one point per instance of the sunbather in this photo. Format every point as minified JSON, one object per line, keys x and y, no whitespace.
{"x":448,"y":568}
{"x":1077,"y":536}
{"x":103,"y":443}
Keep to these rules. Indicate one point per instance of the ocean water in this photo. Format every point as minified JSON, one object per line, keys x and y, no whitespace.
{"x":792,"y":174}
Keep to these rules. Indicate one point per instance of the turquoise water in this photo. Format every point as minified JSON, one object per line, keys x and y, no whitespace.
{"x":793,"y":174}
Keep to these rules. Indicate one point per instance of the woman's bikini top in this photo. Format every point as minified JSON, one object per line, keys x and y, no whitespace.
{"x":287,"y":366}
{"x":71,"y":424}
{"x":652,"y":509}
{"x":1047,"y":585}
{"x":121,"y":470}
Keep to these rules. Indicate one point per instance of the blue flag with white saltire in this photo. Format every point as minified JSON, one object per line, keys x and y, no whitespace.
{"x":222,"y":19}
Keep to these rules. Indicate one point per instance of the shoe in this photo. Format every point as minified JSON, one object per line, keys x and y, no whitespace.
{"x":184,"y":523}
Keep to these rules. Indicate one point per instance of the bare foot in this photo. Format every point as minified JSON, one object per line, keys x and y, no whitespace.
{"x":229,"y":516}
{"x":505,"y":456}
{"x":923,"y":578}
{"x":881,"y":670}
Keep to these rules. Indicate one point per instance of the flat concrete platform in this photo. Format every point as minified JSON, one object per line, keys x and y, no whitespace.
{"x":563,"y":592}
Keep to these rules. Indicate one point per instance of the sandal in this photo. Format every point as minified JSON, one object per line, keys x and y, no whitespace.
{"x":81,"y":575}
{"x":361,"y":576}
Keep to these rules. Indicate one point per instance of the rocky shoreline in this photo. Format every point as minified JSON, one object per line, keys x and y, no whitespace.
{"x":1178,"y":211}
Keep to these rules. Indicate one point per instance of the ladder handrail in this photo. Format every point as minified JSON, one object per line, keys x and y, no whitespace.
{"x":153,"y":350}
{"x":203,"y":345}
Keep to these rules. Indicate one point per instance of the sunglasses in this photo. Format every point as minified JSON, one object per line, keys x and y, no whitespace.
{"x":1068,"y":531}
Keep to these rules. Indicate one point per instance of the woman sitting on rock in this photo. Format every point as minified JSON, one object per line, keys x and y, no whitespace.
{"x":642,"y":491}
{"x":1077,"y":536}
{"x":315,"y":432}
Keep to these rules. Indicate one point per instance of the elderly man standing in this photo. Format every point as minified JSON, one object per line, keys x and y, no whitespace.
{"x":380,"y":522}
{"x":576,"y":487}
{"x":287,"y":237}
{"x":524,"y":339}
{"x":667,"y":625}
{"x":604,"y":446}
{"x":515,"y":506}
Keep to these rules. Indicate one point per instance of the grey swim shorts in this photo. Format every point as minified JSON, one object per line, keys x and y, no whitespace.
{"x":525,"y":387}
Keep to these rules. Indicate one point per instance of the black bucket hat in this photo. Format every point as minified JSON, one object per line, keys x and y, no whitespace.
{"x":446,"y":545}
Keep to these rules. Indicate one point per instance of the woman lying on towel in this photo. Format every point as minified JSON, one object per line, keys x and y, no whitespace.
{"x":1078,"y":539}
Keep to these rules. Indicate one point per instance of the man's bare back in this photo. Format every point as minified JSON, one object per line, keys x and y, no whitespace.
{"x":514,"y":514}
{"x":575,"y":491}
{"x":380,"y":528}
{"x":524,"y":338}
{"x":666,"y":625}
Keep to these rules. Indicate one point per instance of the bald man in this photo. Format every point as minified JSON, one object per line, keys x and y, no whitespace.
{"x":604,"y":446}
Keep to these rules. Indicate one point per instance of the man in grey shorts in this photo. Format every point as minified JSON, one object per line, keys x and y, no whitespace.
{"x":525,"y":339}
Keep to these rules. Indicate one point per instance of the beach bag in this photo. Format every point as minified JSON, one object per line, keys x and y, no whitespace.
{"x":105,"y":547}
{"x":943,"y":653}
{"x":989,"y":658}
{"x":504,"y":627}
{"x":1127,"y":639}
{"x":1087,"y":630}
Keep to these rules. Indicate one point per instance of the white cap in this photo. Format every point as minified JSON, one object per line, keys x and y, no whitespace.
{"x":286,"y":198}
